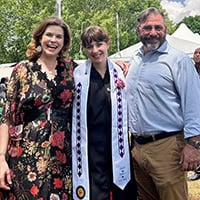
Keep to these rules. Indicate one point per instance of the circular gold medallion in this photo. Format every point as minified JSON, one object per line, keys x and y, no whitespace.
{"x":80,"y":192}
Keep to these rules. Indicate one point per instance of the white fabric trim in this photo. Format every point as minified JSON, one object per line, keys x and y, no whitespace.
{"x":120,"y":145}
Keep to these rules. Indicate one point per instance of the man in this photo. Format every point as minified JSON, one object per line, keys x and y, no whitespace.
{"x":196,"y":58}
{"x":164,"y":113}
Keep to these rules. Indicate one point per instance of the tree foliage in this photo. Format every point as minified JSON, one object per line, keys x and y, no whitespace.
{"x":19,"y":18}
{"x":193,"y":23}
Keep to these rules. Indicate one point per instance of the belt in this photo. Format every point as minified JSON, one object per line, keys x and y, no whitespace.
{"x":151,"y":138}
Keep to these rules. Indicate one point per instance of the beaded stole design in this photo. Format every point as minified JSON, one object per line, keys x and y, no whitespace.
{"x":119,"y":123}
{"x":78,"y":130}
{"x":119,"y":117}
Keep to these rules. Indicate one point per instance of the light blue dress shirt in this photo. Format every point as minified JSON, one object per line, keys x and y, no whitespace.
{"x":163,"y":91}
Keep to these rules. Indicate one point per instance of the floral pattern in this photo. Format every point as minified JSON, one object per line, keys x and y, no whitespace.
{"x":39,"y":112}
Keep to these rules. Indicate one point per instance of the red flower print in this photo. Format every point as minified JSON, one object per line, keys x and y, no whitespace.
{"x":61,"y":157}
{"x":37,"y":102}
{"x":65,"y":95}
{"x":63,"y":82}
{"x":15,"y":131}
{"x":42,"y":124}
{"x":57,"y":139}
{"x":57,"y":183}
{"x":15,"y":118}
{"x":15,"y":151}
{"x":11,"y":196}
{"x":13,"y":106}
{"x":34,"y":190}
{"x":65,"y":196}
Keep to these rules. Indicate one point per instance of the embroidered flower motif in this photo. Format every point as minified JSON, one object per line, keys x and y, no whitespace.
{"x":120,"y":83}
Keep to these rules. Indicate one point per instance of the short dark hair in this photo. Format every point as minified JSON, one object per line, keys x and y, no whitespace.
{"x":3,"y":80}
{"x":145,"y":13}
{"x":93,"y":33}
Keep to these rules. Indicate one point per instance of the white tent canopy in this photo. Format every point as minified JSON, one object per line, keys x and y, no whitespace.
{"x":183,"y":39}
{"x":183,"y":32}
{"x":183,"y":44}
{"x":6,"y":70}
{"x":126,"y":54}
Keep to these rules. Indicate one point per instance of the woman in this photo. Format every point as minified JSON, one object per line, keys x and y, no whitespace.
{"x":101,"y":162}
{"x":36,"y":119}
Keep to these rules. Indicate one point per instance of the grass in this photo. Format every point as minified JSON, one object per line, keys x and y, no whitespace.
{"x":194,"y":189}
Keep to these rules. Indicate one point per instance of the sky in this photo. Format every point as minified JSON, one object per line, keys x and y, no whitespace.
{"x":178,"y":9}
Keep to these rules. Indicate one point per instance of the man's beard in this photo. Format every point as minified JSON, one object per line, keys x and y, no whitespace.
{"x":152,"y":46}
{"x":197,"y":61}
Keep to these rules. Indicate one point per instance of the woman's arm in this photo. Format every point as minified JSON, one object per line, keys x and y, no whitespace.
{"x":5,"y":177}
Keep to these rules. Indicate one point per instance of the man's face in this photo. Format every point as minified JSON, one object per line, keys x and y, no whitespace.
{"x":196,"y":56}
{"x":152,"y":32}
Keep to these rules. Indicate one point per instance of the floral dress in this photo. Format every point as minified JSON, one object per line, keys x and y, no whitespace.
{"x":39,"y":152}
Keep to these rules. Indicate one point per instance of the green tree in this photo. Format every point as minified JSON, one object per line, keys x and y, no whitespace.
{"x":80,"y":14}
{"x":16,"y":25}
{"x":20,"y":17}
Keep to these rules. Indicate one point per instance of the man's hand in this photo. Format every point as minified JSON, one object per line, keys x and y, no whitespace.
{"x":190,"y":158}
{"x":124,"y":66}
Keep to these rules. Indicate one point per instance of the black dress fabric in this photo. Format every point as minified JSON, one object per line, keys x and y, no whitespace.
{"x":39,"y":154}
{"x":100,"y":145}
{"x":99,"y":136}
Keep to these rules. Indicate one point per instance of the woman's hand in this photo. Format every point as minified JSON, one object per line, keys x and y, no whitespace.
{"x":5,"y":176}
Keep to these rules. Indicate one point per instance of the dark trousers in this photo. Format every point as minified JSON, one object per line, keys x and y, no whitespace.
{"x":130,"y":191}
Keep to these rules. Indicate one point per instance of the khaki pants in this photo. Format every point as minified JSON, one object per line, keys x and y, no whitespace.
{"x":157,"y":170}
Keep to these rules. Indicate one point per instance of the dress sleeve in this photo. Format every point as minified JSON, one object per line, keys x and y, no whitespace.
{"x":11,"y":110}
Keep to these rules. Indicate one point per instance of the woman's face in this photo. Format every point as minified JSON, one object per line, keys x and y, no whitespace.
{"x":52,"y":41}
{"x":97,"y":51}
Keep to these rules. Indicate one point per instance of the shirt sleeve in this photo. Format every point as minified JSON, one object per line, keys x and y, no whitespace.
{"x":187,"y":83}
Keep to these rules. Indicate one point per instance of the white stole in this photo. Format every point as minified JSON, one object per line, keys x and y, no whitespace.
{"x":120,"y":145}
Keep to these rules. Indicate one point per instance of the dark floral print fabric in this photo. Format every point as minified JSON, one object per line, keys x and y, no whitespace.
{"x":39,"y":112}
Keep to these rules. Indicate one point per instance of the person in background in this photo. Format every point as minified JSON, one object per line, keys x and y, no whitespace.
{"x":3,"y":88}
{"x":35,"y":135}
{"x":164,"y":112}
{"x":100,"y":148}
{"x":196,"y":59}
